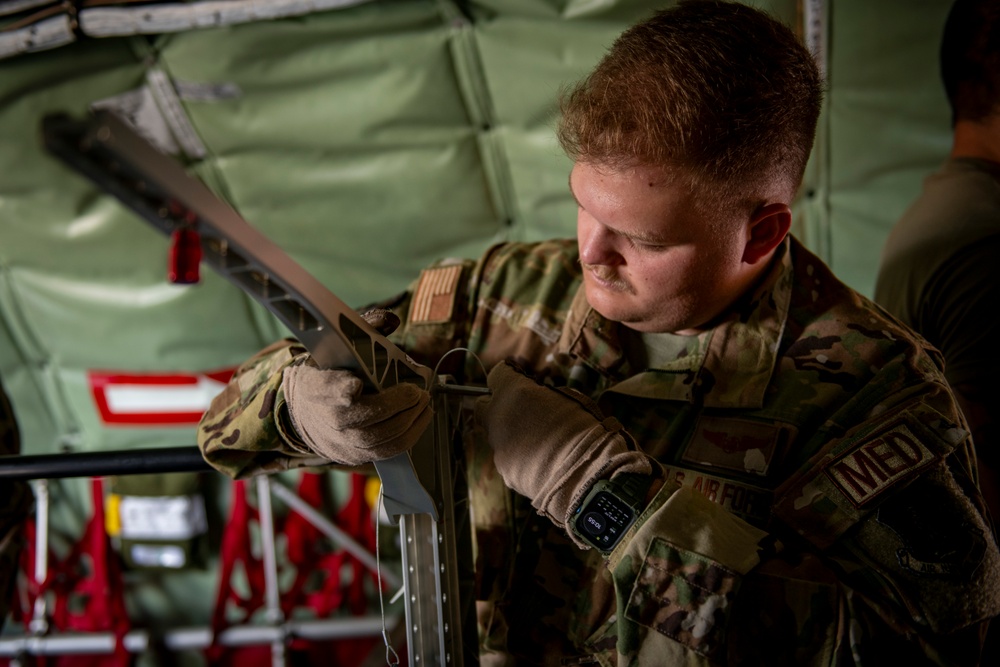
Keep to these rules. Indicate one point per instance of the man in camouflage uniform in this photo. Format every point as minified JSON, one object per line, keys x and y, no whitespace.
{"x":807,"y":487}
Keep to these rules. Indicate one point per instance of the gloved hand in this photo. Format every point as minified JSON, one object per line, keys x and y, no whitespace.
{"x":335,"y":419}
{"x":552,"y":445}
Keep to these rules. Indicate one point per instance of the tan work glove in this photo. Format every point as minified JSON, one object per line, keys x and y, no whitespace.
{"x":552,"y":445}
{"x":337,"y":420}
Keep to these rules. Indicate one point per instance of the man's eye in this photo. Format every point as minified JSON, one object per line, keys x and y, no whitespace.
{"x":643,"y":245}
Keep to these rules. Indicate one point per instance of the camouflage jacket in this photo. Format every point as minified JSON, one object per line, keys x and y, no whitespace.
{"x":821,"y":505}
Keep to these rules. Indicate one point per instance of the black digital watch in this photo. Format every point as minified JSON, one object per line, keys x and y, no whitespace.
{"x":610,"y":509}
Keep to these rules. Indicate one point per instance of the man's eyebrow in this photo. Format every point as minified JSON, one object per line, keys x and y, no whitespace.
{"x":643,"y":238}
{"x":634,"y":236}
{"x":569,"y":182}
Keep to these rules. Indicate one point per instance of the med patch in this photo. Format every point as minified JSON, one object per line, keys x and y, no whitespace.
{"x":878,"y":462}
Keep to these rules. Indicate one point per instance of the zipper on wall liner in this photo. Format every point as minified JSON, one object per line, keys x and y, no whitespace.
{"x":479,"y":106}
{"x":815,"y":230}
{"x":174,"y":114}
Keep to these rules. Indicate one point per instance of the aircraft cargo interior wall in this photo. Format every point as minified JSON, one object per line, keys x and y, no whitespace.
{"x":367,"y":139}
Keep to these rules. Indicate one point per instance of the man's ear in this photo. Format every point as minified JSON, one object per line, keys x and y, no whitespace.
{"x":768,"y":226}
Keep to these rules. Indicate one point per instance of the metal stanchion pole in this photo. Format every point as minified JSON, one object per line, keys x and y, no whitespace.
{"x":272,"y":596}
{"x":39,"y":623}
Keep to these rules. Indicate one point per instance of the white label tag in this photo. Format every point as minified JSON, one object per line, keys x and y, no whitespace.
{"x":168,"y":555}
{"x":162,"y":517}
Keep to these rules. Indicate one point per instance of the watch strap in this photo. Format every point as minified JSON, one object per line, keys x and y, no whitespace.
{"x":632,"y":487}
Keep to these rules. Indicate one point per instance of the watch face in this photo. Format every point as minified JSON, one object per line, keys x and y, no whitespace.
{"x":604,"y":520}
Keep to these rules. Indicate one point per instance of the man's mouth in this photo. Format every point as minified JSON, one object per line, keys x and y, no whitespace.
{"x":608,"y":278}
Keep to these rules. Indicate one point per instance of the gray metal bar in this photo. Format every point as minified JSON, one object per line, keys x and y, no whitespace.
{"x":194,"y":638}
{"x":439,"y":574}
{"x":332,"y":531}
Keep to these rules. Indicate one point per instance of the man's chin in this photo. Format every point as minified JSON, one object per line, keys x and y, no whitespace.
{"x":610,"y":307}
{"x":607,"y":303}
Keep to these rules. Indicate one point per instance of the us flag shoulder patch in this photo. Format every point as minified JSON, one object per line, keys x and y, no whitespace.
{"x":434,"y":298}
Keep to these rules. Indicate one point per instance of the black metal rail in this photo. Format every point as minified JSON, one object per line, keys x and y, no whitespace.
{"x":103,"y":464}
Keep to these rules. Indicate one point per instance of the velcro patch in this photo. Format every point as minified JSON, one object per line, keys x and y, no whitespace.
{"x":750,"y":503}
{"x":733,"y":444}
{"x":434,"y":298}
{"x":879,"y":462}
{"x":684,"y":596}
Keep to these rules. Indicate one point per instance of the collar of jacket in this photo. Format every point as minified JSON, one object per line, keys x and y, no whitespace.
{"x":728,"y":366}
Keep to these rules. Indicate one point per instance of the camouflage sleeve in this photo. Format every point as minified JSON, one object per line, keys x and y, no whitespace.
{"x":496,"y":307}
{"x":246,"y":430}
{"x":870,"y":569}
{"x":893,"y":510}
{"x":435,"y":312}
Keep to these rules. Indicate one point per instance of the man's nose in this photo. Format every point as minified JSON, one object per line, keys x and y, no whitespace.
{"x":597,"y":244}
